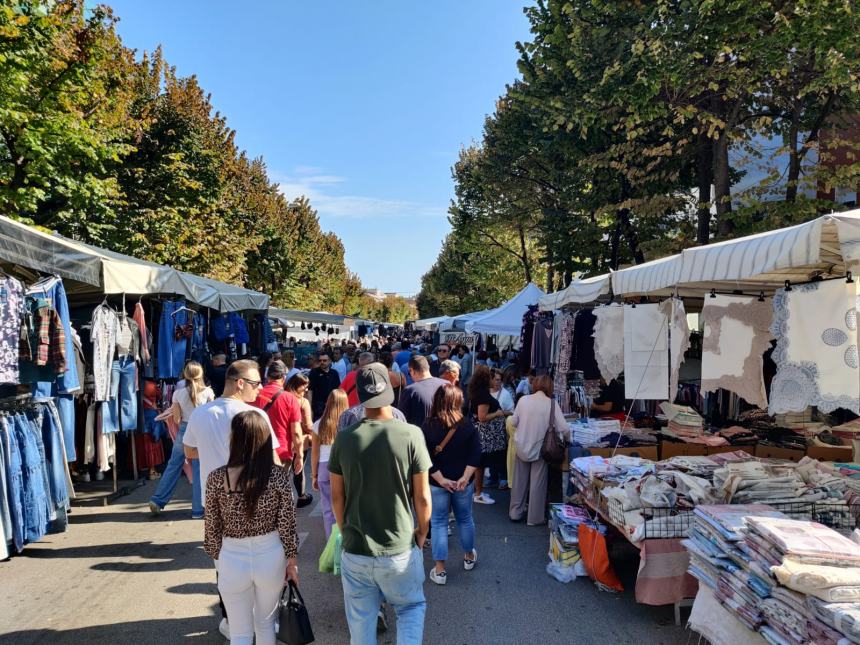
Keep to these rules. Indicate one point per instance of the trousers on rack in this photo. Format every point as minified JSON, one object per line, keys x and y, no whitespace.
{"x":122,"y":406}
{"x":35,"y":507}
{"x":171,"y":352}
{"x":54,"y":461}
{"x":14,"y":481}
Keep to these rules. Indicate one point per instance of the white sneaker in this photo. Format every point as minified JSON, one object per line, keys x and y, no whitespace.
{"x":224,"y":628}
{"x":483,"y":498}
{"x":469,"y":563}
{"x":440,"y":578}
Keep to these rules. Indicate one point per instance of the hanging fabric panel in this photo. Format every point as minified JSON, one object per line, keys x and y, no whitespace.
{"x":646,"y":355}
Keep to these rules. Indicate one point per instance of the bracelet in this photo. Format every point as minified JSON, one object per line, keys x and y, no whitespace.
{"x":314,"y":476}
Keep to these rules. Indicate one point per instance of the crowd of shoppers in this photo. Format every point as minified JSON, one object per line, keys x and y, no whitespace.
{"x":398,"y":439}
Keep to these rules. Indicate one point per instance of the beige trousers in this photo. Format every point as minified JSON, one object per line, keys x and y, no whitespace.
{"x":530,"y":482}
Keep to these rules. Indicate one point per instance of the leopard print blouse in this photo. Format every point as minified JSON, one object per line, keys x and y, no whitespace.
{"x":226,"y":516}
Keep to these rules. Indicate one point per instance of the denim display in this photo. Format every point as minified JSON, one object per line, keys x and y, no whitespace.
{"x":198,"y":340}
{"x":171,"y":351}
{"x":33,"y":478}
{"x":461,"y":503}
{"x":172,"y":473}
{"x":122,"y":406}
{"x":398,"y":579}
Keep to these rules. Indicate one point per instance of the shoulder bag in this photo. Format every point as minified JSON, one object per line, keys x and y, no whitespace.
{"x":438,"y":449}
{"x":272,"y":401}
{"x":552,"y":450}
{"x":294,"y":624}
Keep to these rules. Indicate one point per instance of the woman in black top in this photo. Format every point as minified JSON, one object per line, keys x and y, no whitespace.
{"x":489,"y":418}
{"x":455,"y":449}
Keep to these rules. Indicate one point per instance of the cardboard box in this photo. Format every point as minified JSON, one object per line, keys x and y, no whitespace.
{"x":645,"y":452}
{"x":717,"y":450}
{"x":770,"y":452}
{"x":831,"y":453}
{"x":671,"y":449}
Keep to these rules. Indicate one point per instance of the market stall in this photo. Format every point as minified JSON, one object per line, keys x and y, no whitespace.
{"x":766,"y":374}
{"x":94,"y":342}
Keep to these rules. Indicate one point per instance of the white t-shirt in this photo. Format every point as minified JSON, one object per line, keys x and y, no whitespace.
{"x":209,"y":431}
{"x":325,"y":451}
{"x":182,"y":398}
{"x":506,"y":402}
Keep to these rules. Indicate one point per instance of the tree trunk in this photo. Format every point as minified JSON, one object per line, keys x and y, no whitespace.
{"x":705,"y":176}
{"x":630,"y":236}
{"x":550,"y":270}
{"x":722,"y":185}
{"x":793,"y":158}
{"x":524,"y":254}
{"x":614,"y":245}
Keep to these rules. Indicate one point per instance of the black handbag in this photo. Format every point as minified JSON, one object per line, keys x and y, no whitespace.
{"x":294,"y":624}
{"x":553,"y":449}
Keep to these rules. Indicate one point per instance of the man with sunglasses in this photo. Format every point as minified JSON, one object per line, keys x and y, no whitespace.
{"x":207,"y":436}
{"x":323,"y":379}
{"x":442,"y":353}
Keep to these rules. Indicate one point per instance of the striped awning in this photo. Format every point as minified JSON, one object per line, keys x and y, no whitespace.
{"x":577,"y":292}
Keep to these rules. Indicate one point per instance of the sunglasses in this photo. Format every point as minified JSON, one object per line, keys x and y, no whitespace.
{"x":248,"y":381}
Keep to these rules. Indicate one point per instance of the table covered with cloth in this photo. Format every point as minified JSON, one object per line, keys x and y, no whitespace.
{"x":663,"y":577}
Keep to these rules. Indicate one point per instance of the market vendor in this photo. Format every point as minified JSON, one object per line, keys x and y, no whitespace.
{"x":611,"y":401}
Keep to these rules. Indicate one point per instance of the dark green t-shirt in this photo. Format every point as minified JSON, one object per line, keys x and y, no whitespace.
{"x":377,"y":460}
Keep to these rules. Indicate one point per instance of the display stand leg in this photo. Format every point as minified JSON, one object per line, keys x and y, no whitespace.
{"x":113,"y":471}
{"x":133,"y":455}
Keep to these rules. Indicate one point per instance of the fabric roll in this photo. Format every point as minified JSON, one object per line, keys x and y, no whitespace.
{"x":815,"y":326}
{"x":608,"y":345}
{"x":646,"y":359}
{"x":736,"y":336}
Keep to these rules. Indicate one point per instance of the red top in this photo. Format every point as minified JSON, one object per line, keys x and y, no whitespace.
{"x":283,"y":413}
{"x":348,"y":386}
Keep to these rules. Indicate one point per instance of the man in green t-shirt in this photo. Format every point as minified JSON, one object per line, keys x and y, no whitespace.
{"x":379,"y":474}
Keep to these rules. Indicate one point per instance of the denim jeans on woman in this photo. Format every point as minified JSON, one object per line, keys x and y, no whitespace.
{"x":172,"y":473}
{"x":398,"y":580}
{"x":461,"y":503}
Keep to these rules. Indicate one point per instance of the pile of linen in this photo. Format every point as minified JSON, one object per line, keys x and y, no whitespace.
{"x":683,"y":422}
{"x":819,"y":573}
{"x":719,"y":560}
{"x":588,"y":432}
{"x":755,"y":482}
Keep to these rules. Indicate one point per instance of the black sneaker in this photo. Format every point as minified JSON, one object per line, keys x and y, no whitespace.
{"x":304,"y":500}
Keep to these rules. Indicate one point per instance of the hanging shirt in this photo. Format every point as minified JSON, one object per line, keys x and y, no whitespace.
{"x":11,"y":316}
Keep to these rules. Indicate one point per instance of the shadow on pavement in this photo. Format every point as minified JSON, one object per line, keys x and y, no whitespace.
{"x":202,"y":629}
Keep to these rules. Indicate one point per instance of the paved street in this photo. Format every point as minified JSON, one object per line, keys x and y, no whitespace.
{"x":119,"y":577}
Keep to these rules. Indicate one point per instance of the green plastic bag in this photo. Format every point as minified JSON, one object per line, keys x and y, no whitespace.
{"x":330,"y":557}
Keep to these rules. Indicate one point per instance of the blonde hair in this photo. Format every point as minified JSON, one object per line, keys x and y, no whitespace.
{"x":336,"y":404}
{"x":193,"y":375}
{"x":289,"y":358}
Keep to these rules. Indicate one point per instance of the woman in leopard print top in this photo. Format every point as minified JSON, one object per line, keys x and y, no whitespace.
{"x":250,"y":530}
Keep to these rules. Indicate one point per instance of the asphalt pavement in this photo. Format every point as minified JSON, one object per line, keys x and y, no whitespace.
{"x":119,"y":576}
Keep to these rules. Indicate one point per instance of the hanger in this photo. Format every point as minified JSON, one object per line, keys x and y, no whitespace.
{"x":173,"y":314}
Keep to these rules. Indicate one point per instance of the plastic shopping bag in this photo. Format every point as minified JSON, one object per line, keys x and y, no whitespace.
{"x":595,"y":557}
{"x":330,"y":557}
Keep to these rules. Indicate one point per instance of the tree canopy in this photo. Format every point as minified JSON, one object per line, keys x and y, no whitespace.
{"x":636,"y":129}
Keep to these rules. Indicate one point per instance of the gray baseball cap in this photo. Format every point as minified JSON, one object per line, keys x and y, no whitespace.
{"x":374,"y":386}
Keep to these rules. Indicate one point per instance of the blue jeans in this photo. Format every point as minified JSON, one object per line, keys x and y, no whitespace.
{"x":398,"y":579}
{"x":461,"y":503}
{"x":54,"y":458}
{"x":36,"y":510}
{"x":122,"y":406}
{"x":14,"y":480}
{"x":171,"y":352}
{"x":172,"y":473}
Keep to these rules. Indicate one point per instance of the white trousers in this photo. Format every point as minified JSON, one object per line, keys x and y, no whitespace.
{"x":250,"y":578}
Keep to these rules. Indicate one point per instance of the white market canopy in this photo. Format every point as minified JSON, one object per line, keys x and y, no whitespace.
{"x":95,"y":271}
{"x":321,"y":317}
{"x":506,"y":320}
{"x":431,"y":323}
{"x":577,"y":292}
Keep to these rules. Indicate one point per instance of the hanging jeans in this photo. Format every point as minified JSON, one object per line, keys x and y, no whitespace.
{"x":69,"y":381}
{"x":171,"y":474}
{"x":171,"y":352}
{"x":122,"y":406}
{"x":14,"y":480}
{"x":198,"y":339}
{"x":35,"y":495}
{"x":54,"y":465}
{"x":399,"y":579}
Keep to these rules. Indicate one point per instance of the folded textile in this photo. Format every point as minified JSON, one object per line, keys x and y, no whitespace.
{"x":844,"y":617}
{"x":830,"y":583}
{"x":808,"y":542}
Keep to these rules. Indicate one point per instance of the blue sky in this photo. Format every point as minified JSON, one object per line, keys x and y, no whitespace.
{"x":361,"y":106}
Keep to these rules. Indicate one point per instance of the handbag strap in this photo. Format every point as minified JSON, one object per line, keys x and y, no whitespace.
{"x":445,"y":441}
{"x":552,"y":415}
{"x":294,"y":589}
{"x":272,"y":401}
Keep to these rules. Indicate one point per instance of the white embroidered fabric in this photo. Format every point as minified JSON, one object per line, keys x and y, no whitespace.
{"x":608,"y":352}
{"x":646,"y":371}
{"x":679,"y":339}
{"x":736,"y":336}
{"x":103,"y":334}
{"x":815,"y":326}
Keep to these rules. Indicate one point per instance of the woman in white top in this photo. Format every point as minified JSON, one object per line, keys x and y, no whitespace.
{"x":532,"y":420}
{"x":194,"y":393}
{"x":500,"y":393}
{"x":324,"y":432}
